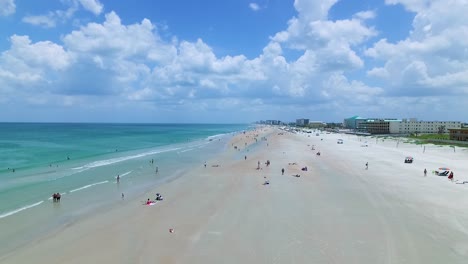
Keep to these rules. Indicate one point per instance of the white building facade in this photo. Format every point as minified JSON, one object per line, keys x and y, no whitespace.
{"x":412,"y":125}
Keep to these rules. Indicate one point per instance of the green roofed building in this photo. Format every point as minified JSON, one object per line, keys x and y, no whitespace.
{"x":354,"y":122}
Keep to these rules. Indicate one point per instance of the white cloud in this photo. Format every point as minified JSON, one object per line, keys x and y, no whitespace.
{"x":338,"y":87}
{"x":327,"y":45}
{"x":132,"y":61}
{"x":43,"y":54}
{"x":93,"y":6}
{"x":364,"y":15}
{"x":433,"y":59}
{"x":7,"y":7}
{"x":411,"y":5}
{"x":52,"y":18}
{"x":27,"y":69}
{"x":254,"y":6}
{"x":133,"y":65}
{"x":311,"y":10}
{"x":47,"y":21}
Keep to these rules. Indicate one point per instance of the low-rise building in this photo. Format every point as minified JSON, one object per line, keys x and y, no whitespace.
{"x":377,"y":126}
{"x":316,"y":124}
{"x":459,"y":134}
{"x":412,"y":125}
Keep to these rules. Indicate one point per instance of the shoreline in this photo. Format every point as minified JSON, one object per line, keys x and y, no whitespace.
{"x":335,"y":211}
{"x":16,"y":224}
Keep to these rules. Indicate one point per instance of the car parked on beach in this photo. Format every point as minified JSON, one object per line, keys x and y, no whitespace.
{"x":409,"y":160}
{"x":339,"y":141}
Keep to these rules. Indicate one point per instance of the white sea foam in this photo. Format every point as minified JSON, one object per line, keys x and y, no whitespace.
{"x":125,"y":174}
{"x":89,"y":185}
{"x":185,"y":150}
{"x":100,"y":163}
{"x":20,"y":209}
{"x":217,"y":136}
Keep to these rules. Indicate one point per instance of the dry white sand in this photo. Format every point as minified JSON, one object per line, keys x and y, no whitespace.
{"x":336,"y":212}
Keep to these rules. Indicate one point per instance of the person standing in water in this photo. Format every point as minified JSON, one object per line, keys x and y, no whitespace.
{"x":118,"y":178}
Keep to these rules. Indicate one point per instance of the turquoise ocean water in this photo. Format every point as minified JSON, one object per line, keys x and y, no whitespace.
{"x":81,"y":161}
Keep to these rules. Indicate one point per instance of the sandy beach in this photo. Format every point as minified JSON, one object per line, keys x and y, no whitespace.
{"x":335,"y":212}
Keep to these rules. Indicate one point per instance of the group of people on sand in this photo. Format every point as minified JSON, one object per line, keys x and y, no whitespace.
{"x":56,"y":197}
{"x":159,"y":197}
{"x":446,"y":173}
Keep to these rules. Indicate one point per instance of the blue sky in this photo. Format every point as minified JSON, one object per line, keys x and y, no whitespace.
{"x":232,"y":61}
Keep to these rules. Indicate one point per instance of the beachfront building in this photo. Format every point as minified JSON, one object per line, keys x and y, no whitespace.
{"x":413,"y":126}
{"x":460,"y":134}
{"x":354,"y":122}
{"x":302,"y":122}
{"x":377,"y":126}
{"x":270,"y":122}
{"x":273,"y":122}
{"x":316,"y":124}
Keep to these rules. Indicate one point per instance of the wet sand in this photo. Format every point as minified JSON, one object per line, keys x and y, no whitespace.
{"x":335,"y":212}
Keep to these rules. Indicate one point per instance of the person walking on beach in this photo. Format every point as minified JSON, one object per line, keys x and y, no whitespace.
{"x":282,"y":171}
{"x":425,"y":172}
{"x":367,"y":165}
{"x":123,"y":196}
{"x":157,"y":170}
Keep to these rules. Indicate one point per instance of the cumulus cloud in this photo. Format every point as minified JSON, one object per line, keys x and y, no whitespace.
{"x":432,"y":60}
{"x":7,"y":7}
{"x":39,"y":55}
{"x":254,"y":6}
{"x":28,"y":69}
{"x":364,"y":15}
{"x":133,"y":64}
{"x":93,"y":6}
{"x":52,"y":18}
{"x":47,"y":21}
{"x":411,"y":5}
{"x":312,"y":10}
{"x":331,"y":42}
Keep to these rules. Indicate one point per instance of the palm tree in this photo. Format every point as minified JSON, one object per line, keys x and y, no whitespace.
{"x":441,"y":130}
